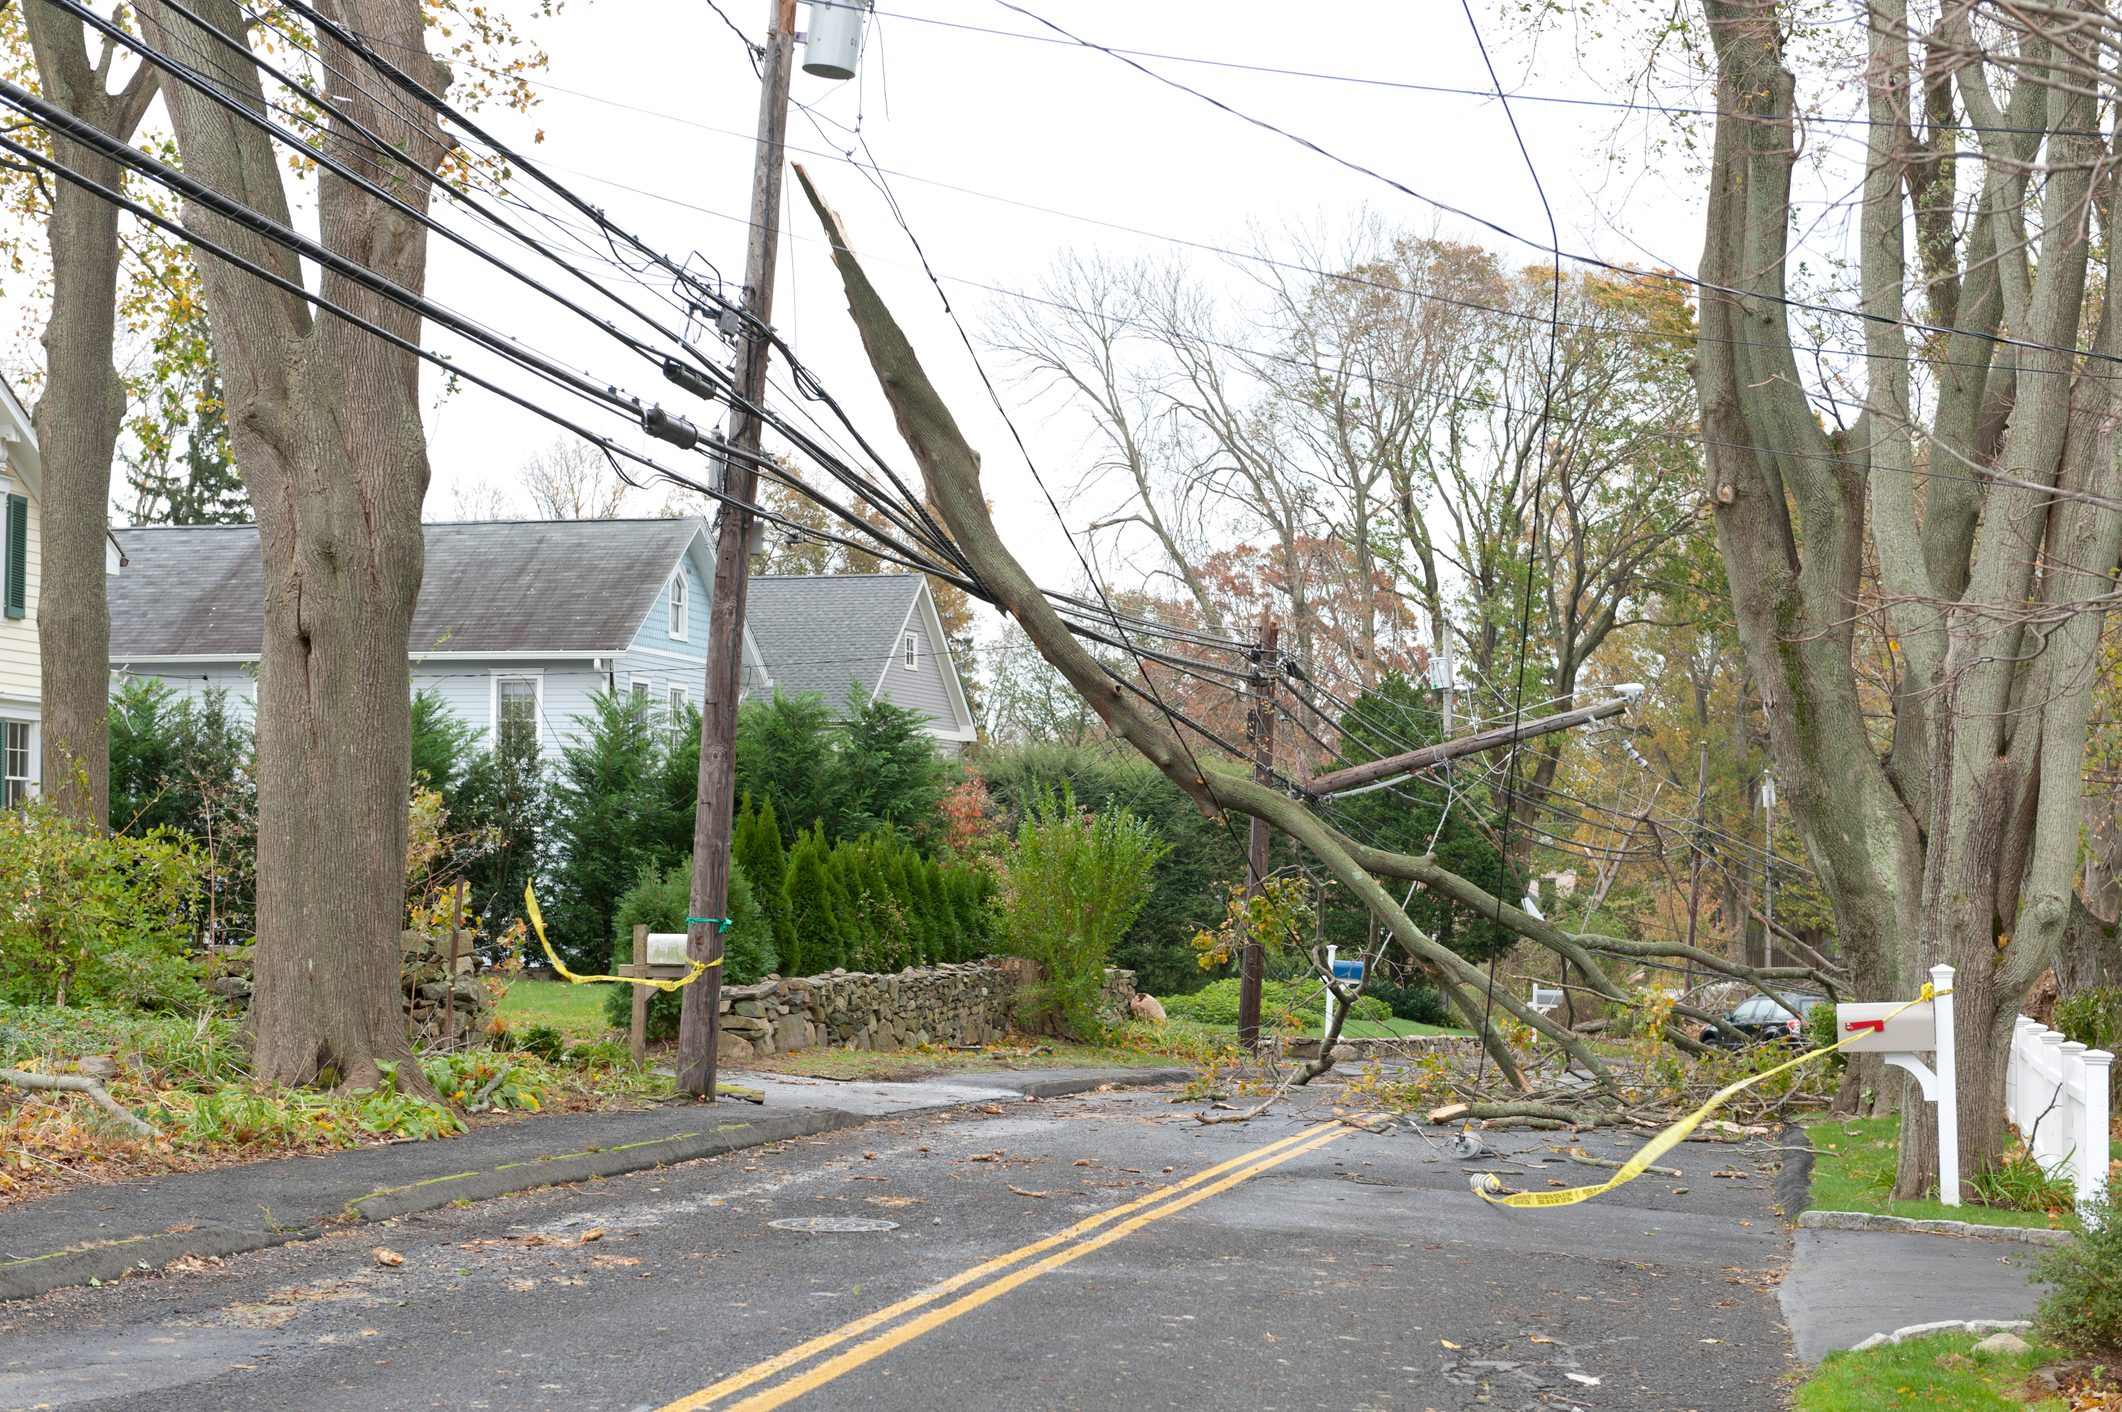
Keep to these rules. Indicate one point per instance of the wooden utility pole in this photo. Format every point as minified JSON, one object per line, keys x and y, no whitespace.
{"x":1694,"y":859}
{"x":1261,"y":727}
{"x":714,"y":804}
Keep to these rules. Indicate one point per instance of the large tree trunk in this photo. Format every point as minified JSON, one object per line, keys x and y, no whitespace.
{"x":77,"y":419}
{"x":1957,"y":837}
{"x":324,"y":420}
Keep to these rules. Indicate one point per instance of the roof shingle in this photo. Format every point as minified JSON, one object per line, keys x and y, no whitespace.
{"x":537,"y":586}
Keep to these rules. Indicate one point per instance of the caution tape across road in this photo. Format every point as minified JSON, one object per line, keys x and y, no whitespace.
{"x":1487,"y":1186}
{"x":537,"y":921}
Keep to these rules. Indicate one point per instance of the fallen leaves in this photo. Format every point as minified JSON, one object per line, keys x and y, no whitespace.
{"x":1023,"y":1192}
{"x":612,"y":1260}
{"x":388,"y":1258}
{"x":594,"y":1233}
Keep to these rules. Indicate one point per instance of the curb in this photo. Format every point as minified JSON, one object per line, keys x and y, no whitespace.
{"x":1972,"y":1326}
{"x":112,"y":1260}
{"x":1794,"y":1178}
{"x":1909,"y":1225}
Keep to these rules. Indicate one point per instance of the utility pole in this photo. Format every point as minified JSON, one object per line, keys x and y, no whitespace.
{"x":1261,"y":727}
{"x":714,"y":805}
{"x":1694,"y":858}
{"x":1768,"y":869}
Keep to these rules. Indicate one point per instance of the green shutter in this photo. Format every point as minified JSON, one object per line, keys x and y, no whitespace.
{"x":17,"y":557}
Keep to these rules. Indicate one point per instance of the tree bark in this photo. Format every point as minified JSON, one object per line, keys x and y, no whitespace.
{"x":324,"y":421}
{"x":78,"y":418}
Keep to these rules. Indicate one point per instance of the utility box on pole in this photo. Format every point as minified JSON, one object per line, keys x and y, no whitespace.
{"x":832,"y":46}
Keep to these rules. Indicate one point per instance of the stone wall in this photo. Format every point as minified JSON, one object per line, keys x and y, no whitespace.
{"x":943,"y":1005}
{"x":424,"y":983}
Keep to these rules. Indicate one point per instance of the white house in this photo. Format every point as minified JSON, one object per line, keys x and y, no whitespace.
{"x":516,"y":621}
{"x":21,"y":668}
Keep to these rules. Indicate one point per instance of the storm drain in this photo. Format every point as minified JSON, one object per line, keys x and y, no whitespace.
{"x":834,"y":1225}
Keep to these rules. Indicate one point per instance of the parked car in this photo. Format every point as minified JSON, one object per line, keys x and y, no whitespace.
{"x":1759,"y":1020}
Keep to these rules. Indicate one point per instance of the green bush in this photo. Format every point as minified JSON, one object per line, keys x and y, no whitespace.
{"x":659,"y":900}
{"x":1425,"y":1005}
{"x":187,"y":763}
{"x":1820,"y":1032}
{"x":2082,"y":1311}
{"x":1217,"y":1004}
{"x":1072,"y":886}
{"x":2092,"y":1017}
{"x":92,"y":918}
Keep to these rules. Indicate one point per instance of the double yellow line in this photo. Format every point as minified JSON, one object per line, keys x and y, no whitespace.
{"x":1092,"y":1233}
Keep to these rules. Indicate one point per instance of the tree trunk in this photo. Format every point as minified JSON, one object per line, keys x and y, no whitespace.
{"x":324,"y":421}
{"x":77,"y":420}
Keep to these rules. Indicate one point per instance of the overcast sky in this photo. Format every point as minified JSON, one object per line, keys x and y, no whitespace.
{"x":1009,"y":151}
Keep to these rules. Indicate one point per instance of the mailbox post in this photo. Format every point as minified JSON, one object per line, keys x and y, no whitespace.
{"x":1337,"y":971}
{"x":1900,"y":1033}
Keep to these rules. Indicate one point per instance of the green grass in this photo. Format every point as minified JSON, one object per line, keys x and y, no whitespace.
{"x":1859,"y":1176}
{"x":1937,"y":1374}
{"x":575,"y":1010}
{"x":1350,"y":1029}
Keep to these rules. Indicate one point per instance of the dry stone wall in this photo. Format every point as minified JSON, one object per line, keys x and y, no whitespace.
{"x":942,"y":1005}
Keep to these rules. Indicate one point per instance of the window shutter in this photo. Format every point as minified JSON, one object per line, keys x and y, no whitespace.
{"x":17,"y":557}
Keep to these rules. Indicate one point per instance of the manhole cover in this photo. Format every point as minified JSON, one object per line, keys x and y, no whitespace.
{"x":833,"y":1225}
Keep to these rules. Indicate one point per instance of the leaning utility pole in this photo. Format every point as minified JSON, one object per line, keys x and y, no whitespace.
{"x":1252,"y":960}
{"x":700,"y":1018}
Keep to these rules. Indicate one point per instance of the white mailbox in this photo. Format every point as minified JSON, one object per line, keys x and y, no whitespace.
{"x":667,"y":949}
{"x":1887,"y":1027}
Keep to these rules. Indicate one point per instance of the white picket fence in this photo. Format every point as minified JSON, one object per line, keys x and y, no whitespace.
{"x":2056,"y":1095}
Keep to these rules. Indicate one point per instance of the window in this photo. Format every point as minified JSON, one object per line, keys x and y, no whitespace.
{"x":677,"y":709}
{"x":910,"y":650}
{"x":677,"y":605}
{"x":637,"y":694}
{"x":516,"y":709}
{"x":14,"y":763}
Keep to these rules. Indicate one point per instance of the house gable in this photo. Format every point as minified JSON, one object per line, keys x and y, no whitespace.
{"x":921,"y":675}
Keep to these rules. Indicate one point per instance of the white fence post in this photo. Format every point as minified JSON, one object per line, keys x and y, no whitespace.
{"x":2023,"y":1031}
{"x":1948,"y":1071}
{"x":2092,"y":1142}
{"x":2048,"y":1142}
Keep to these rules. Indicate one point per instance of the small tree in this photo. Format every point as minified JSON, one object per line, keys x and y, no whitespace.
{"x":1071,"y":889}
{"x":503,"y":795}
{"x":606,"y":823}
{"x":784,"y":758}
{"x":756,"y":847}
{"x":444,"y":745}
{"x":807,"y":894}
{"x":886,"y":765}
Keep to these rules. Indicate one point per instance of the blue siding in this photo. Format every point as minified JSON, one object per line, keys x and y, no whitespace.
{"x":655,"y":628}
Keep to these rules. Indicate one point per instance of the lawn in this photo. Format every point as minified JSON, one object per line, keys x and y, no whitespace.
{"x":1855,"y":1172}
{"x":1350,"y":1029}
{"x":575,"y":1010}
{"x":1937,"y":1373}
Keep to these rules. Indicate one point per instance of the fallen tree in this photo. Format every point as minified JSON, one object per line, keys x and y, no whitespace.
{"x":951,"y":469}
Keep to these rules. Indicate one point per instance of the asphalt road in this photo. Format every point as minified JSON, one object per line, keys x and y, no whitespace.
{"x":1101,"y":1251}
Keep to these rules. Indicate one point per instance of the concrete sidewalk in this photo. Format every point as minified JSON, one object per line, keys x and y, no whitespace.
{"x":1845,"y":1286}
{"x":102,"y":1232}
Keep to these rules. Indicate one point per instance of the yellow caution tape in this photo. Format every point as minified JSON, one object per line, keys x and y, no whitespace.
{"x":1666,"y":1141}
{"x":537,"y":920}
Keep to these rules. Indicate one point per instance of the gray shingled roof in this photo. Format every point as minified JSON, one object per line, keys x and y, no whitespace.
{"x":818,"y":631}
{"x":540,"y":586}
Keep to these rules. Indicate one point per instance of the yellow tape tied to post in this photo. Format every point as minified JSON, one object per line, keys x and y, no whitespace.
{"x":1672,"y":1137}
{"x":537,"y":920}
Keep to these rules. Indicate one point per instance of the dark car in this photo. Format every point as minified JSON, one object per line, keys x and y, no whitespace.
{"x":1759,"y":1020}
